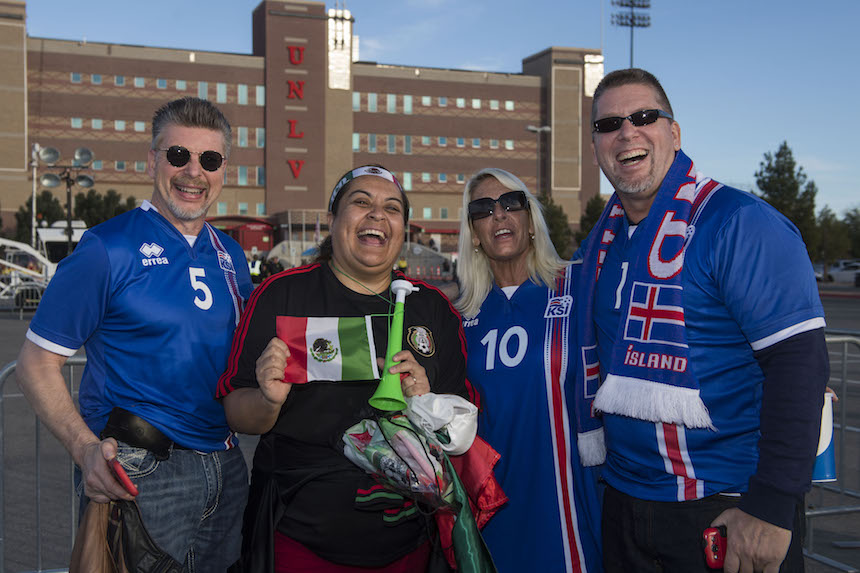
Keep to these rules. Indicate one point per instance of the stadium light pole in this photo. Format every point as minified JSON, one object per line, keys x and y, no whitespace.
{"x":538,"y":131}
{"x":71,"y":175}
{"x":632,"y":19}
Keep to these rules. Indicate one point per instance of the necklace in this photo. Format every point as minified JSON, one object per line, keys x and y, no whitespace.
{"x":361,"y":284}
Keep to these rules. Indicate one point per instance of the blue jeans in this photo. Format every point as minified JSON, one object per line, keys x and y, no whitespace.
{"x":191,"y":503}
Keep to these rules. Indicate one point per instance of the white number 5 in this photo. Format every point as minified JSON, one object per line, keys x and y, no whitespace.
{"x":196,"y":274}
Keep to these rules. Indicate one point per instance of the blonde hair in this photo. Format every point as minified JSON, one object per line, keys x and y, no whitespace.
{"x":473,"y":268}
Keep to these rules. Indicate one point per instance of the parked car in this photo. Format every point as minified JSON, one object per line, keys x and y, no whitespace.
{"x":818,"y":269}
{"x":844,"y":270}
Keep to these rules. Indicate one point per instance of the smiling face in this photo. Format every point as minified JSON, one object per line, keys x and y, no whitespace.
{"x":635,"y":159}
{"x":504,"y":236}
{"x":184,"y":194}
{"x":368,"y":230}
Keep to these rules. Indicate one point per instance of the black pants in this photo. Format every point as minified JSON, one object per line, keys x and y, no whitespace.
{"x":666,"y":537}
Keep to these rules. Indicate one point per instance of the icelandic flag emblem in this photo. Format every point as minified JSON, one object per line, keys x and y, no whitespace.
{"x":591,"y":370}
{"x":559,"y":307}
{"x":225,"y":261}
{"x":655,"y":315}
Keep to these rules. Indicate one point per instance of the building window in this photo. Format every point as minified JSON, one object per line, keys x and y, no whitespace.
{"x":476,"y":103}
{"x":425,"y":140}
{"x":461,"y":142}
{"x":261,"y":209}
{"x":242,"y":94}
{"x":461,"y":178}
{"x":461,"y":102}
{"x":119,"y":165}
{"x":443,"y":141}
{"x":443,"y":178}
{"x":140,"y":126}
{"x":242,"y":177}
{"x":407,"y":181}
{"x":96,"y":79}
{"x":161,"y":83}
{"x":371,"y":143}
{"x":391,"y":103}
{"x":356,"y":101}
{"x":411,"y":213}
{"x":426,"y":100}
{"x":221,"y":92}
{"x":356,"y":142}
{"x":392,"y":144}
{"x":443,"y":212}
{"x":494,"y":144}
{"x":75,"y":77}
{"x":203,"y":90}
{"x":261,"y":177}
{"x":425,"y":177}
{"x":407,"y":144}
{"x":77,"y":123}
{"x":427,"y":212}
{"x":261,"y":137}
{"x":407,"y":104}
{"x":509,"y":144}
{"x":119,"y":80}
{"x":96,"y":123}
{"x":494,"y":104}
{"x":243,"y":208}
{"x":371,"y":101}
{"x":476,"y":142}
{"x":242,"y":136}
{"x":181,"y":86}
{"x":261,"y":95}
{"x":140,"y":166}
{"x":119,"y":125}
{"x":222,"y":208}
{"x":97,"y":164}
{"x":509,"y":105}
{"x":139,"y":82}
{"x":443,"y":101}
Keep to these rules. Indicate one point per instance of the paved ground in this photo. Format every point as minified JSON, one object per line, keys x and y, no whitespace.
{"x":23,"y":481}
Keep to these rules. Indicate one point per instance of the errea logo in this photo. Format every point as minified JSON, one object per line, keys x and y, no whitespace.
{"x":152,"y":252}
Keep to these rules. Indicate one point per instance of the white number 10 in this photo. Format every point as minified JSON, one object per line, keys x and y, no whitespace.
{"x":510,"y":361}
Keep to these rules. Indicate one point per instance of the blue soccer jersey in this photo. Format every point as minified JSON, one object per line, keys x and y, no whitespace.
{"x":747,"y":285}
{"x":156,"y":317}
{"x":522,"y":354}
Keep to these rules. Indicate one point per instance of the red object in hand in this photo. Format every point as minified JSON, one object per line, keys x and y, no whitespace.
{"x":715,"y":546}
{"x":123,"y":477}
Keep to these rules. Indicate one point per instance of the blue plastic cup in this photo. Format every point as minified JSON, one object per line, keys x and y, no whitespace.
{"x":824,"y":469}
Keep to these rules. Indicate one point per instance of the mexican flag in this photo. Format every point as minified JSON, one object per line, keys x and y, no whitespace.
{"x":328,"y":348}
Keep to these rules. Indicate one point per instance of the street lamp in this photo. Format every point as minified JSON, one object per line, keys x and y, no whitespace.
{"x":71,"y":174}
{"x":538,"y":131}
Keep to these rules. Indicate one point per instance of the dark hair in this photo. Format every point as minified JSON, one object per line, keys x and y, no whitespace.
{"x":626,"y":77}
{"x":326,"y":248}
{"x":191,"y":112}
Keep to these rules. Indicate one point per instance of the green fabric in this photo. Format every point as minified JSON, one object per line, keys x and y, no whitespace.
{"x":470,"y":551}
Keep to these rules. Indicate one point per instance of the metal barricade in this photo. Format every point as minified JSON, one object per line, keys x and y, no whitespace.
{"x":26,"y":297}
{"x":848,"y":500}
{"x":5,"y":374}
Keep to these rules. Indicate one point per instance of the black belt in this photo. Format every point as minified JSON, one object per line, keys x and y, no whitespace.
{"x":126,"y":427}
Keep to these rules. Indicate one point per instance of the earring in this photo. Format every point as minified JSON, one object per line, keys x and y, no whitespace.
{"x":532,"y":236}
{"x":476,"y":249}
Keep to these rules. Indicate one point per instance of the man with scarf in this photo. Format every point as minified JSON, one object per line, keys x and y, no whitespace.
{"x":703,"y":307}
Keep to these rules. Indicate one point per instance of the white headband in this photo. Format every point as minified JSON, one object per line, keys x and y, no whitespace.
{"x":358,"y":172}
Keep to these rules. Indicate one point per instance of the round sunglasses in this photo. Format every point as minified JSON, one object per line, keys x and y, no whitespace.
{"x":510,"y":201}
{"x":639,"y":118}
{"x":178,"y":156}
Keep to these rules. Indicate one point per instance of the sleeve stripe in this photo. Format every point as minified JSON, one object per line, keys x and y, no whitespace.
{"x":46,"y":344}
{"x":785,"y":333}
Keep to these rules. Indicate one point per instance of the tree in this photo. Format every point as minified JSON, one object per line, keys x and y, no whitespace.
{"x":93,"y":208}
{"x":48,"y":210}
{"x":834,"y":241}
{"x":851,"y":220}
{"x":785,"y":186}
{"x":593,"y":210}
{"x":559,"y":229}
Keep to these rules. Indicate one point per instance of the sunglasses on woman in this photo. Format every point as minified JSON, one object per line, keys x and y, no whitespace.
{"x":510,"y":201}
{"x":640,"y":118}
{"x":178,"y":156}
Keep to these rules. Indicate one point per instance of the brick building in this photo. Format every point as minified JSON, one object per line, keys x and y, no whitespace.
{"x":303,"y":111}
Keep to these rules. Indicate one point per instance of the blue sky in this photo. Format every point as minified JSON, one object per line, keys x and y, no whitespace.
{"x":742,"y":75}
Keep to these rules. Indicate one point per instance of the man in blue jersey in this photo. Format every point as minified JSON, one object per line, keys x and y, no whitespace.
{"x":709,"y":332}
{"x":154,"y":296}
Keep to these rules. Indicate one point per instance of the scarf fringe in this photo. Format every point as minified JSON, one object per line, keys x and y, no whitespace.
{"x":645,"y":400}
{"x":592,"y":447}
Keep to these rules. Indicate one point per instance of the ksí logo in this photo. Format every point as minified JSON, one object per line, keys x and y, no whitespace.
{"x":152,"y":252}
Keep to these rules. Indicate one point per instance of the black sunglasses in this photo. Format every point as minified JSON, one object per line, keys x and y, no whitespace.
{"x":640,"y":118}
{"x":510,"y":201}
{"x":178,"y":156}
